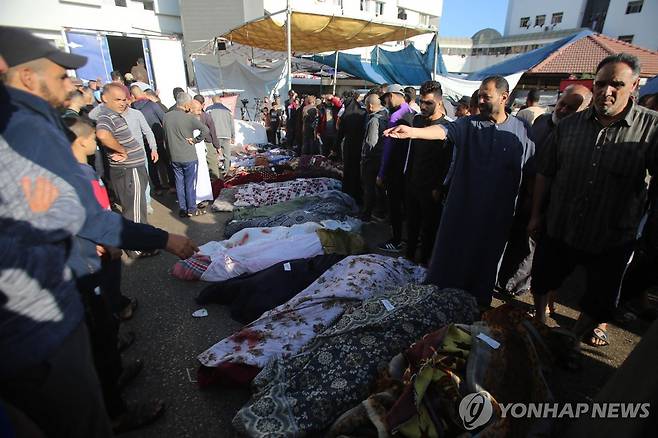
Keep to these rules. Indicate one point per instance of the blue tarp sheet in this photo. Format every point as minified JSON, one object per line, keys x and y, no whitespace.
{"x":527,"y":60}
{"x":651,"y":87}
{"x":409,"y":66}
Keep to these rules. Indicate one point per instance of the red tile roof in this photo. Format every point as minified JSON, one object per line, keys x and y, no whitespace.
{"x":583,"y":56}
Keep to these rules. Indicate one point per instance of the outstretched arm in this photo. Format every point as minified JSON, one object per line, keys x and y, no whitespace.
{"x":434,"y":132}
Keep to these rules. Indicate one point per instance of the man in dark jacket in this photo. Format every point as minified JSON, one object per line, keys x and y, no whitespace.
{"x":426,"y":168}
{"x":154,"y":116}
{"x":371,"y":152}
{"x":36,"y":84}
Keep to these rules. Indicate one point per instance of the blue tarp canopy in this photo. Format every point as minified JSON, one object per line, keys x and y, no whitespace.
{"x":527,"y":60}
{"x":651,"y":87}
{"x":408,"y":66}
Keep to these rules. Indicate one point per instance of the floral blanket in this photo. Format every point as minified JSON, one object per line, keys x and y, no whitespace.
{"x":284,"y":330}
{"x":302,"y":395}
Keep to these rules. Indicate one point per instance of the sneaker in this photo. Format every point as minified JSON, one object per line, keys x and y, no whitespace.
{"x":182,"y":213}
{"x":390,"y":246}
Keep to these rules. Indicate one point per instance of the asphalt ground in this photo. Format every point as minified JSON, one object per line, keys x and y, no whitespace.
{"x":169,"y":338}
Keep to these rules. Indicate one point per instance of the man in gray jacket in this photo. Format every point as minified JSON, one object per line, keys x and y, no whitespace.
{"x":224,"y":125}
{"x":179,"y":126}
{"x":371,"y":152}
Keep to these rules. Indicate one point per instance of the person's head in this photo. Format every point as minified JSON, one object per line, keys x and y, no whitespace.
{"x":277,"y":99}
{"x":116,"y":77}
{"x":492,"y":96}
{"x":114,"y":97}
{"x":129,"y":78}
{"x":431,"y":100}
{"x":217,"y":98}
{"x":372,"y":103}
{"x":394,"y":96}
{"x":649,"y":101}
{"x":617,"y":77}
{"x":140,"y":61}
{"x":137,"y":92}
{"x":291,"y":94}
{"x":151,"y":95}
{"x":93,"y":84}
{"x":410,"y":94}
{"x":474,"y":105}
{"x":35,"y":66}
{"x":462,"y":110}
{"x":176,"y":91}
{"x":310,"y":100}
{"x":76,"y":100}
{"x":532,"y":99}
{"x":183,"y":101}
{"x":196,"y":107}
{"x":199,"y":98}
{"x":575,"y":98}
{"x":82,"y":135}
{"x":383,"y":89}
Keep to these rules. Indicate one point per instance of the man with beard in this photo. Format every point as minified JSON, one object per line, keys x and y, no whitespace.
{"x":491,"y":152}
{"x":514,"y":271}
{"x":597,"y":161}
{"x":426,"y":167}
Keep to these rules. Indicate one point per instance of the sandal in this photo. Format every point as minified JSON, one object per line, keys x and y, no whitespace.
{"x":197,"y":212}
{"x":600,"y":335}
{"x":138,"y":415}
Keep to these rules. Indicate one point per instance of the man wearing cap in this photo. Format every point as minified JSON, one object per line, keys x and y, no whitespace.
{"x":392,"y":165}
{"x":46,"y":368}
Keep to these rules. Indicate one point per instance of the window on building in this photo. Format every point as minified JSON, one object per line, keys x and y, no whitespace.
{"x":634,"y":7}
{"x":525,"y":22}
{"x":379,"y":8}
{"x":540,"y":20}
{"x":626,"y":38}
{"x":364,"y":5}
{"x":149,"y":5}
{"x":402,"y":14}
{"x":121,"y":3}
{"x":557,"y":18}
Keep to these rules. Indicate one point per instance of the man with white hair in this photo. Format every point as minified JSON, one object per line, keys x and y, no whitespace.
{"x":179,"y":126}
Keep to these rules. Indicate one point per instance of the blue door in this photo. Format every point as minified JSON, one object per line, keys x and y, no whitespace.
{"x":95,"y":48}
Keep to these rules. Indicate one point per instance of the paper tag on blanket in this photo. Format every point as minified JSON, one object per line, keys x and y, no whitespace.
{"x":287,"y":267}
{"x":387,"y":304}
{"x":200,"y":313}
{"x":490,"y":341}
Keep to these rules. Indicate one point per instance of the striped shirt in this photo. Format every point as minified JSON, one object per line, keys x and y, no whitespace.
{"x":113,"y":122}
{"x":599,"y":191}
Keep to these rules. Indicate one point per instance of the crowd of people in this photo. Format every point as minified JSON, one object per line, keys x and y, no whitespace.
{"x":487,"y":202}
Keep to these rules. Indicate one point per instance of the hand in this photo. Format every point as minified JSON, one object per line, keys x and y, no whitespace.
{"x":400,"y":131}
{"x":119,"y":156}
{"x":154,"y":156}
{"x":380,"y":181}
{"x":535,"y":226}
{"x":190,"y":140}
{"x":40,"y":197}
{"x":181,"y":246}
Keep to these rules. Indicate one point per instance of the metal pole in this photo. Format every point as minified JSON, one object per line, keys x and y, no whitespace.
{"x":219,"y":63}
{"x":335,"y":73}
{"x":289,"y":43}
{"x":436,"y":53}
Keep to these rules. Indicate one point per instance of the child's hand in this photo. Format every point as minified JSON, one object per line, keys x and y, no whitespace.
{"x":40,"y":196}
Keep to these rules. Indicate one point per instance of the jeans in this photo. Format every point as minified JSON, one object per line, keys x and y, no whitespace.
{"x":185,"y":174}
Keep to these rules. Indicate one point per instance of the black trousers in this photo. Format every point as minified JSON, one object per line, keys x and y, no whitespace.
{"x":555,"y":260}
{"x":423,"y":215}
{"x":516,"y":265}
{"x":103,"y":333}
{"x":395,"y":196}
{"x":369,"y":169}
{"x":130,"y":187}
{"x":62,"y":395}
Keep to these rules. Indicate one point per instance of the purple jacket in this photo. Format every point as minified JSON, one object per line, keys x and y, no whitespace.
{"x":403,"y":115}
